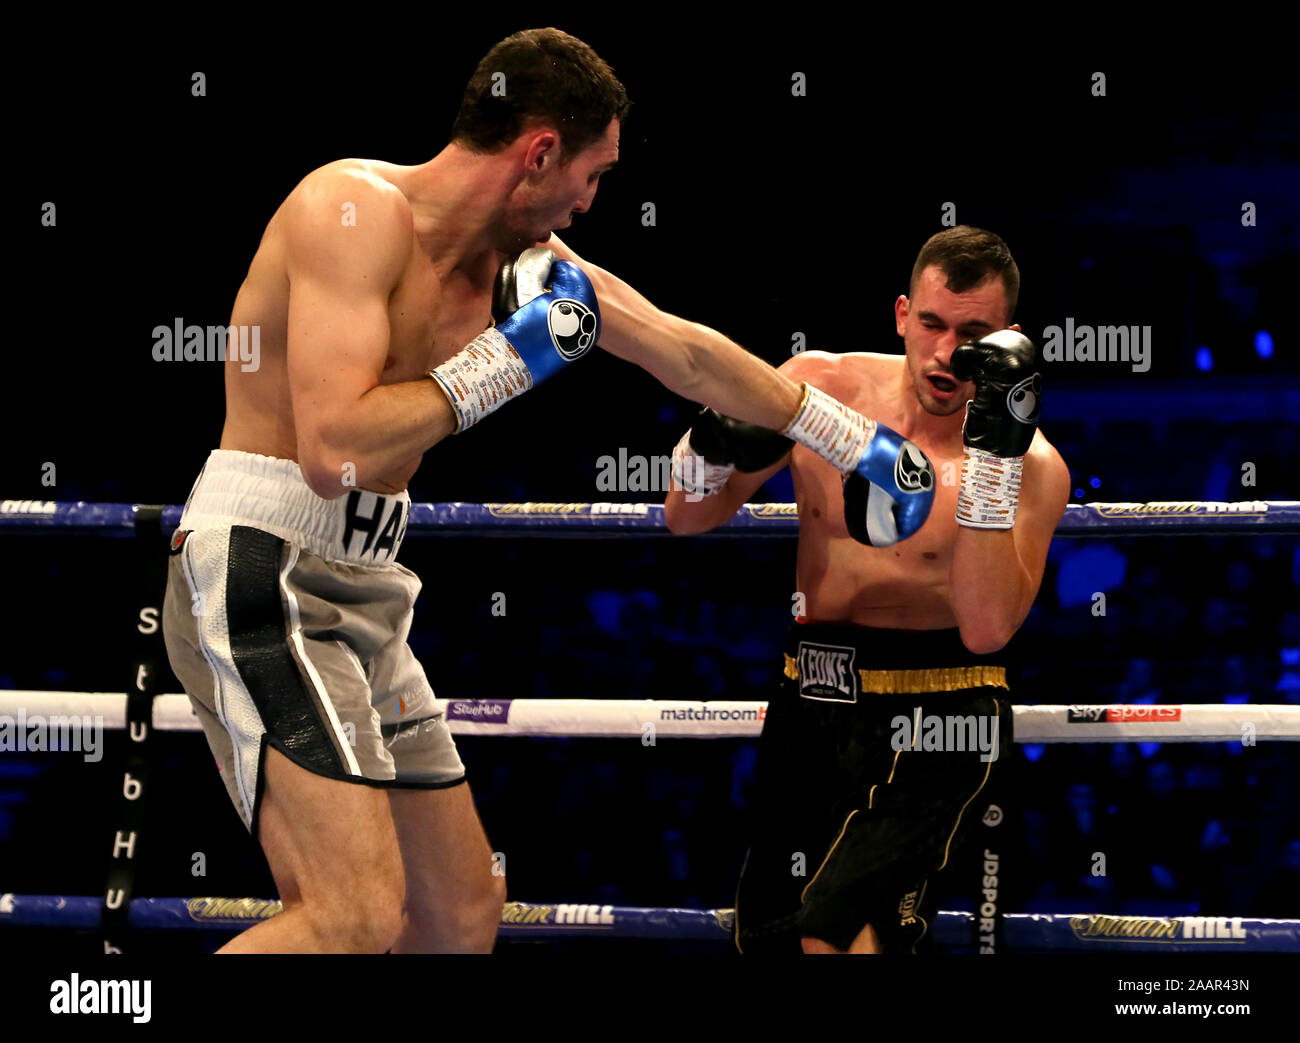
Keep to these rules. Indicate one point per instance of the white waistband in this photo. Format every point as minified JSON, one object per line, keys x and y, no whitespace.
{"x":267,"y":493}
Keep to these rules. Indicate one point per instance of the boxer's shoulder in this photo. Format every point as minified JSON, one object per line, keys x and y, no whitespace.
{"x":1043,"y":458}
{"x":837,"y":373}
{"x":1045,"y":487}
{"x":812,"y":366}
{"x":331,"y":193}
{"x":344,"y":215}
{"x":865,"y":365}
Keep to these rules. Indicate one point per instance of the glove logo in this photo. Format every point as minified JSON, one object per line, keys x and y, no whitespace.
{"x":572,"y":326}
{"x":912,"y":471}
{"x":1024,"y":401}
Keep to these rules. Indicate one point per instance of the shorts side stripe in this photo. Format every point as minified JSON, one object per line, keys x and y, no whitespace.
{"x":211,"y":636}
{"x":260,"y":651}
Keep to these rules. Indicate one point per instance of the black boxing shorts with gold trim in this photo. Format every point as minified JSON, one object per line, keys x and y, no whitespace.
{"x":871,"y":758}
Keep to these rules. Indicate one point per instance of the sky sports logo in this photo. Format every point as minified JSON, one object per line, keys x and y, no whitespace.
{"x":1123,"y":713}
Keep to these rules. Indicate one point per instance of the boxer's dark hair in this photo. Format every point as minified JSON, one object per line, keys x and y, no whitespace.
{"x":968,"y":256}
{"x":551,"y":78}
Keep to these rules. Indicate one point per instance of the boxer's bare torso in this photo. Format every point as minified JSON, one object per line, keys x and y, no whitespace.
{"x":434,"y":311}
{"x":905,"y":586}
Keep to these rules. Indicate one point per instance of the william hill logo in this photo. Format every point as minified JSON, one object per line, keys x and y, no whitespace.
{"x":566,"y":510}
{"x":1157,"y":509}
{"x":232,"y":910}
{"x":772,"y":510}
{"x":525,"y":914}
{"x":1166,"y":929}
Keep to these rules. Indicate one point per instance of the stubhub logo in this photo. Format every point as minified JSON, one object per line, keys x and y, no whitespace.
{"x":492,"y":711}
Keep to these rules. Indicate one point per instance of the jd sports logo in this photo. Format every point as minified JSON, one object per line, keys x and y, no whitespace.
{"x":912,"y":471}
{"x":826,"y":672}
{"x":1025,"y":399}
{"x":573,"y":328}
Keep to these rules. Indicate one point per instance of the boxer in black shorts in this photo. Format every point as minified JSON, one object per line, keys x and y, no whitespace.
{"x":843,"y":755}
{"x":850,"y":828}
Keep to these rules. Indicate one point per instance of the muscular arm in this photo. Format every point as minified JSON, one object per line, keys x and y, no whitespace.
{"x":687,"y":517}
{"x":995,"y":574}
{"x":340,"y":279}
{"x":692,"y":360}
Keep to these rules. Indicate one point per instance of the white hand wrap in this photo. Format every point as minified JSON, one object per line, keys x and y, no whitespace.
{"x":831,"y":429}
{"x":481,"y":378}
{"x":990,"y":490}
{"x":695,"y":474}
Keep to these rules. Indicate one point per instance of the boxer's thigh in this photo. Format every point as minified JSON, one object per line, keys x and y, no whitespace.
{"x":792,"y":821}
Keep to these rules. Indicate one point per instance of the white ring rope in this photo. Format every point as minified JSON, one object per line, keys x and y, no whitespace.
{"x":634,"y":718}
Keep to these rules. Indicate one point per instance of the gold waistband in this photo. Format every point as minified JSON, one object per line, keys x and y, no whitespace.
{"x":911,"y":682}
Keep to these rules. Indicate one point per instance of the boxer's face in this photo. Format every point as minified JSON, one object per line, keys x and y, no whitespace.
{"x":553,"y":192}
{"x":933,"y":322}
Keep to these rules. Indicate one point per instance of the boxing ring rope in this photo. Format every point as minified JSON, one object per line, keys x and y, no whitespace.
{"x":684,"y":719}
{"x":627,"y":718}
{"x":1039,"y":931}
{"x":588,"y":520}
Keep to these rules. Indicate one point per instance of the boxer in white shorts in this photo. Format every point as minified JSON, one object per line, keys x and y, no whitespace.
{"x":287,"y":619}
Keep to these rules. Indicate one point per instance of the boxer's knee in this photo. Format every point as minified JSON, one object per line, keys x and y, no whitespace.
{"x":370,"y":922}
{"x":469,"y":924}
{"x":866,"y":943}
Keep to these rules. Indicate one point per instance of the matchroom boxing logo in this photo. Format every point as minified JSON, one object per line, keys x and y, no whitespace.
{"x":181,"y":343}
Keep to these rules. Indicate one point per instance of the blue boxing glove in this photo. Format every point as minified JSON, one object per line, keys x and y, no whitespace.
{"x":889,"y":495}
{"x":888,"y":481}
{"x":546,"y":317}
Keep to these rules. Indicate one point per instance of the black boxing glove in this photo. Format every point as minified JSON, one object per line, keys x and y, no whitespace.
{"x":1000,"y":423}
{"x":725,"y":445}
{"x":726,"y":440}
